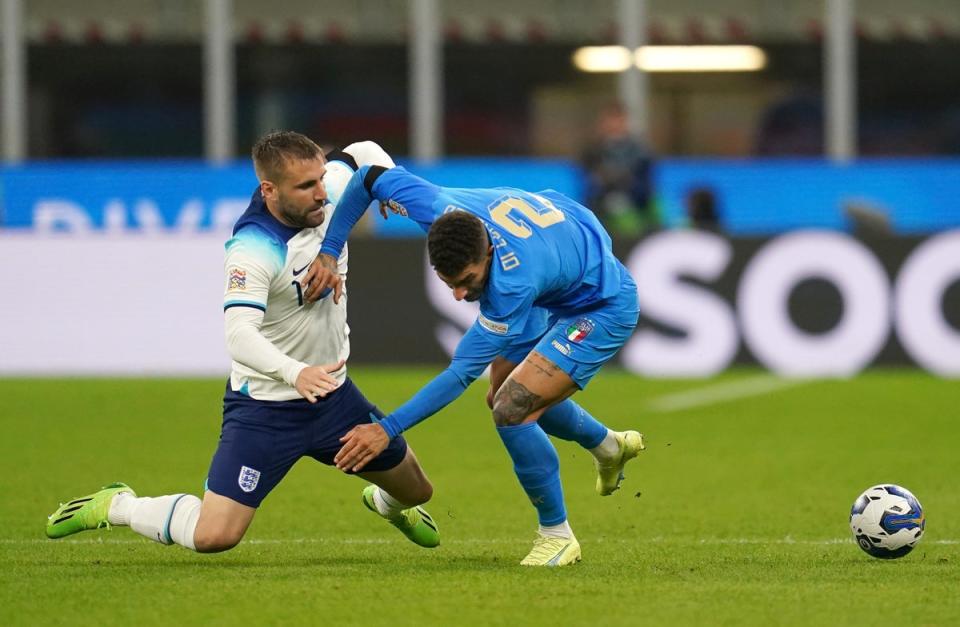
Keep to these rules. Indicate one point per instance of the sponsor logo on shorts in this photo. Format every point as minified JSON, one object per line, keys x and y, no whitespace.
{"x":580,"y":329}
{"x":563,"y":349}
{"x":494,"y":327}
{"x":248,"y":479}
{"x":238,"y":279}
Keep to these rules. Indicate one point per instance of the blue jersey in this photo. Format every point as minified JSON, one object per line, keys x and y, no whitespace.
{"x":548,"y":252}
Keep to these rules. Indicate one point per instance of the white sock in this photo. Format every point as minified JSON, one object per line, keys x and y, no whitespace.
{"x":386,"y":505}
{"x":562,"y":530}
{"x":183,"y":523}
{"x":607,"y":449}
{"x":170,"y":519}
{"x":119,"y":512}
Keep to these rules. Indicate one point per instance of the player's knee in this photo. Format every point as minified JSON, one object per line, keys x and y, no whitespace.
{"x":215,"y":540}
{"x":506,"y":413}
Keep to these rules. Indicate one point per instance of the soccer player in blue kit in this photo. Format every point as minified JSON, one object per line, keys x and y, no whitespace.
{"x":543,"y":271}
{"x":279,"y":404}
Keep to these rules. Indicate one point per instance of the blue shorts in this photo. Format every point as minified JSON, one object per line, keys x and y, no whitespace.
{"x":261,"y":440}
{"x":580,"y":343}
{"x":538,"y":323}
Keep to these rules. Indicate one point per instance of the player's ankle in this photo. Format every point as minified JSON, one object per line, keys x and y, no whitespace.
{"x":562,"y":530}
{"x":608,"y":449}
{"x":120,"y":507}
{"x":386,"y":505}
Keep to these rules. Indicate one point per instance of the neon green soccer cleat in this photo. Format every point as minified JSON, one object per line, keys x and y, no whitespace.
{"x":549,"y":551}
{"x":415,"y":522}
{"x":610,"y":474}
{"x":88,"y":512}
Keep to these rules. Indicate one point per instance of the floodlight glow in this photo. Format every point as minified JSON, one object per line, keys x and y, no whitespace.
{"x":602,"y":59}
{"x":700,"y":58}
{"x":671,"y":58}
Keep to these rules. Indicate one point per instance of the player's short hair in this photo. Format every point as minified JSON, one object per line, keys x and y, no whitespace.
{"x":274,"y":149}
{"x":456,"y":240}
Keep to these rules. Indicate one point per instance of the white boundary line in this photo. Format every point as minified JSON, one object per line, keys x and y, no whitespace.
{"x":723,"y":392}
{"x":466,"y":541}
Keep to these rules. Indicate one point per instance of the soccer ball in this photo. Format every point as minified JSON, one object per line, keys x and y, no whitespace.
{"x":887,"y":521}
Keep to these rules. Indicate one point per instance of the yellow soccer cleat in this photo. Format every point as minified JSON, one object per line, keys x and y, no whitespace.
{"x":610,"y":474}
{"x":549,"y":551}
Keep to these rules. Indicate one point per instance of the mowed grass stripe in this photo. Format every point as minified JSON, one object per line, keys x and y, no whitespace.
{"x":723,"y":392}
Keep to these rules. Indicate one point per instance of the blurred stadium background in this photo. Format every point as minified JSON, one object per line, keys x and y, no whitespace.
{"x":126,"y":125}
{"x":831,"y":167}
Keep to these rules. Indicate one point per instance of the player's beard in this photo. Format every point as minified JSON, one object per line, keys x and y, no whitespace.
{"x":309,"y":218}
{"x":474,"y":292}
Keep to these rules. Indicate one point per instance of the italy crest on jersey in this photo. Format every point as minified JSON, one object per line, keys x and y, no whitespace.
{"x":579,"y":330}
{"x":248,"y":479}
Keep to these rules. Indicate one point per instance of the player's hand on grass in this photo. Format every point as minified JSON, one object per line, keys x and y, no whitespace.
{"x":360,"y":445}
{"x":322,"y":277}
{"x":315,"y":382}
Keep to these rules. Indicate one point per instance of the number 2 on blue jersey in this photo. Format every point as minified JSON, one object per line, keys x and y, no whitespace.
{"x":541,"y":216}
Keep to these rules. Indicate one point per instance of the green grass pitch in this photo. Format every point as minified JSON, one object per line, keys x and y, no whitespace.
{"x":736,"y":514}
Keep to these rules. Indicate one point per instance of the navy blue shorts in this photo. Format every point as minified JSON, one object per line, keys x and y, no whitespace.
{"x":261,"y":440}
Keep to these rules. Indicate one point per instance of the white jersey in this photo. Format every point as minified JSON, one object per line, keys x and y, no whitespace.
{"x":272,"y":333}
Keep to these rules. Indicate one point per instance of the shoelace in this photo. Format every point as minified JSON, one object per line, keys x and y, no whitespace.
{"x":408,"y":519}
{"x":544,"y":546}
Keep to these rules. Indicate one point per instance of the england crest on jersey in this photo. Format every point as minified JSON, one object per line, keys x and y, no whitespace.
{"x":248,"y":479}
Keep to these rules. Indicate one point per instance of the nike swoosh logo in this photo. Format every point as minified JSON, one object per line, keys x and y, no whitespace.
{"x":556,"y":558}
{"x":296,"y":272}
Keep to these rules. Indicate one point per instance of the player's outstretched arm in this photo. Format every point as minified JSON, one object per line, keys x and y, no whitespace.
{"x":404,"y":193}
{"x":353,"y":203}
{"x":323,"y":277}
{"x":365,"y":442}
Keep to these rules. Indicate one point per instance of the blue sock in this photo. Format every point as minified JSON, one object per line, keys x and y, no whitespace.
{"x":538,"y":468}
{"x":568,"y":421}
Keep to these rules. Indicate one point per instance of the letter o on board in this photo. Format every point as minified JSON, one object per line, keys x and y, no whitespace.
{"x":765,"y":287}
{"x":920,"y":323}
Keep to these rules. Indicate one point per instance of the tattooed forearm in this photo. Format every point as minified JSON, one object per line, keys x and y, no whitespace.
{"x":513,"y":403}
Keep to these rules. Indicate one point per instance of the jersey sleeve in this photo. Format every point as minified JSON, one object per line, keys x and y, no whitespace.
{"x":341,"y":165}
{"x":253,"y":258}
{"x":407,"y":194}
{"x":369,"y":153}
{"x":505,"y":310}
{"x":247,"y":346}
